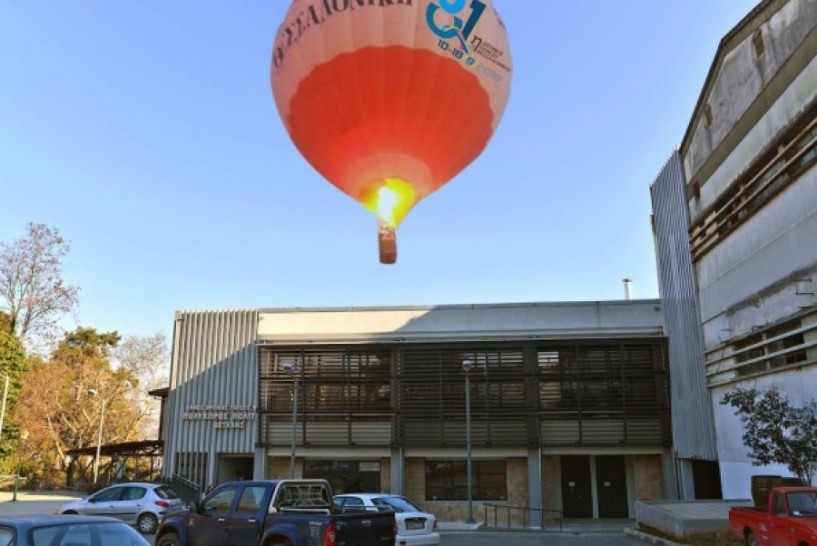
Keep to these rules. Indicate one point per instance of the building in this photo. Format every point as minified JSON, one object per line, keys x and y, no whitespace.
{"x":566,"y":404}
{"x":735,"y":218}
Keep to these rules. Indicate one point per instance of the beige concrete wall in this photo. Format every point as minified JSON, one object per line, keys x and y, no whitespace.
{"x":278,"y":467}
{"x":648,"y":477}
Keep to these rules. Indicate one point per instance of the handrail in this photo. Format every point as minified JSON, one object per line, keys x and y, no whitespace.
{"x":548,"y":518}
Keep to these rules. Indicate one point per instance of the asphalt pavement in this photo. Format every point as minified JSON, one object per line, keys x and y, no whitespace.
{"x":46,"y":502}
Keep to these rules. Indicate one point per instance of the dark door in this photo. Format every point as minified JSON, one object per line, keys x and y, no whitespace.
{"x":245,"y":521}
{"x":611,"y":484}
{"x":577,"y":496}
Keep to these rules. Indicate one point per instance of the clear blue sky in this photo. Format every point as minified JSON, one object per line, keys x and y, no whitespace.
{"x":146,"y":132}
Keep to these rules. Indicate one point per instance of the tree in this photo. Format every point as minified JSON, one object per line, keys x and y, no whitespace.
{"x":148,"y":359}
{"x":13,"y":365}
{"x":32,"y":291}
{"x":63,"y":398}
{"x":777,"y":432}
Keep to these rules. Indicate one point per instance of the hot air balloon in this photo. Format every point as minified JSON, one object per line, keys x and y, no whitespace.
{"x":390,"y":99}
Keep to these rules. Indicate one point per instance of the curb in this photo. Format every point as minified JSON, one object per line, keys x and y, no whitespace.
{"x":652,"y":539}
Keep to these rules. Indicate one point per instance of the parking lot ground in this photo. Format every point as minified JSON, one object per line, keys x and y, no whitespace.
{"x":584,"y":534}
{"x":543,"y":538}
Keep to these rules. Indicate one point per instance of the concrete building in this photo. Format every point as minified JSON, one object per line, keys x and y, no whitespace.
{"x":567,"y":404}
{"x":736,"y":250}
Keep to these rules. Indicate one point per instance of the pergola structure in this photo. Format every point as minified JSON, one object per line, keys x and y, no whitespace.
{"x":150,"y":451}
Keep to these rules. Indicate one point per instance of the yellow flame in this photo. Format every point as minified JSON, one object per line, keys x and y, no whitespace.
{"x":391,"y":201}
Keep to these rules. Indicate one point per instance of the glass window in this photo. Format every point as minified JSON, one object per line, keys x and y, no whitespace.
{"x":779,"y":508}
{"x":398,"y":504}
{"x":165,"y":492}
{"x":803,"y":503}
{"x":221,"y":501}
{"x":448,"y":480}
{"x":251,"y":499}
{"x":134,"y":493}
{"x":107,"y":495}
{"x":346,"y":476}
{"x":108,"y":534}
{"x":6,"y":536}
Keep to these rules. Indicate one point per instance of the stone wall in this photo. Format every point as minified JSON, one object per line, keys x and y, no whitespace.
{"x":648,"y":477}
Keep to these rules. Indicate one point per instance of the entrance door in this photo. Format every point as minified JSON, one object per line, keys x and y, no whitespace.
{"x":611,"y":484}
{"x":577,"y":495}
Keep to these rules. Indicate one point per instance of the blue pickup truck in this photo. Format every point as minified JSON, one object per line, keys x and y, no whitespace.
{"x":274,"y":513}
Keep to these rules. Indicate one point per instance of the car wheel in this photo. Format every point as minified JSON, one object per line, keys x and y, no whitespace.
{"x":750,"y":539}
{"x":170,"y":539}
{"x":147,"y":524}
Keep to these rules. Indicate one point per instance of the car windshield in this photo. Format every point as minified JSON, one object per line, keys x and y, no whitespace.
{"x":86,"y":534}
{"x":398,"y":504}
{"x":803,"y":503}
{"x":165,"y":492}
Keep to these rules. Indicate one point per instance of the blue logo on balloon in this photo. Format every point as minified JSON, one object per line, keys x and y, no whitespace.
{"x":456,"y":28}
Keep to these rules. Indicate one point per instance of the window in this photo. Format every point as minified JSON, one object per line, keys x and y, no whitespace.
{"x":448,"y":480}
{"x":250,"y":501}
{"x":772,"y":348}
{"x":134,"y":493}
{"x":108,"y":495}
{"x":221,"y":501}
{"x":346,"y":476}
{"x":779,"y":507}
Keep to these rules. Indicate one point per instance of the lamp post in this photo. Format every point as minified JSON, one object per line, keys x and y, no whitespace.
{"x":467,"y":365}
{"x":23,"y":438}
{"x":95,"y":392}
{"x":290,"y":369}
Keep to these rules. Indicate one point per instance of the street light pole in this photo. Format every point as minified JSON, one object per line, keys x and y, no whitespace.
{"x":290,"y":369}
{"x":99,"y":432}
{"x":467,"y":365}
{"x":23,"y":438}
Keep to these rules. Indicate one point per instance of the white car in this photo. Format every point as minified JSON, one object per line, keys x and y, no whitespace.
{"x":414,"y":526}
{"x":138,"y":503}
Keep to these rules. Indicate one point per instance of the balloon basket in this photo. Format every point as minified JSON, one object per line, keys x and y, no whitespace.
{"x":387,"y":243}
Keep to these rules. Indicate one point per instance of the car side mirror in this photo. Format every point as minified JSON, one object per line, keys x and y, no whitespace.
{"x":91,"y":499}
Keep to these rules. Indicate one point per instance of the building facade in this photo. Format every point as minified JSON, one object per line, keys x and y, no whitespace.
{"x":566,"y":405}
{"x":747,"y":222}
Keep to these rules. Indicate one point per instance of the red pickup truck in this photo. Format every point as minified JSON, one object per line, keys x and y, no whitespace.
{"x":789,"y":520}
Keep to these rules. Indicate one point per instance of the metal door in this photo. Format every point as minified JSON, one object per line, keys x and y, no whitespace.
{"x":611,"y":484}
{"x":577,"y":495}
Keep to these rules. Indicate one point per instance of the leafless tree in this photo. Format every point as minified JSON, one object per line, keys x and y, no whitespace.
{"x":147,"y":358}
{"x":32,"y":291}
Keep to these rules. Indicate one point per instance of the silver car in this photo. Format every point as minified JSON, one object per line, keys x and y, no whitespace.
{"x":140,"y":504}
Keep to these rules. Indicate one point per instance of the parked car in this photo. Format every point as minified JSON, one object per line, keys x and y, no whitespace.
{"x":274,"y":513}
{"x":137,"y":503}
{"x":415,"y":527}
{"x":56,"y":530}
{"x":790,"y":519}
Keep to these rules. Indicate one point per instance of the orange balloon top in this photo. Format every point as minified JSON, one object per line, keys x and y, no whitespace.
{"x":390,"y":99}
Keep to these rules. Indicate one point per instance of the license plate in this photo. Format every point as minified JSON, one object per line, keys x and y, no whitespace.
{"x":414,"y":524}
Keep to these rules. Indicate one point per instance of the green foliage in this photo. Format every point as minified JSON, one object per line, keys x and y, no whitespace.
{"x":13,"y":365}
{"x":775,"y":431}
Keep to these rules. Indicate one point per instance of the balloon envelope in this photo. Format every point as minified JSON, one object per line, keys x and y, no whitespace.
{"x":390,"y":99}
